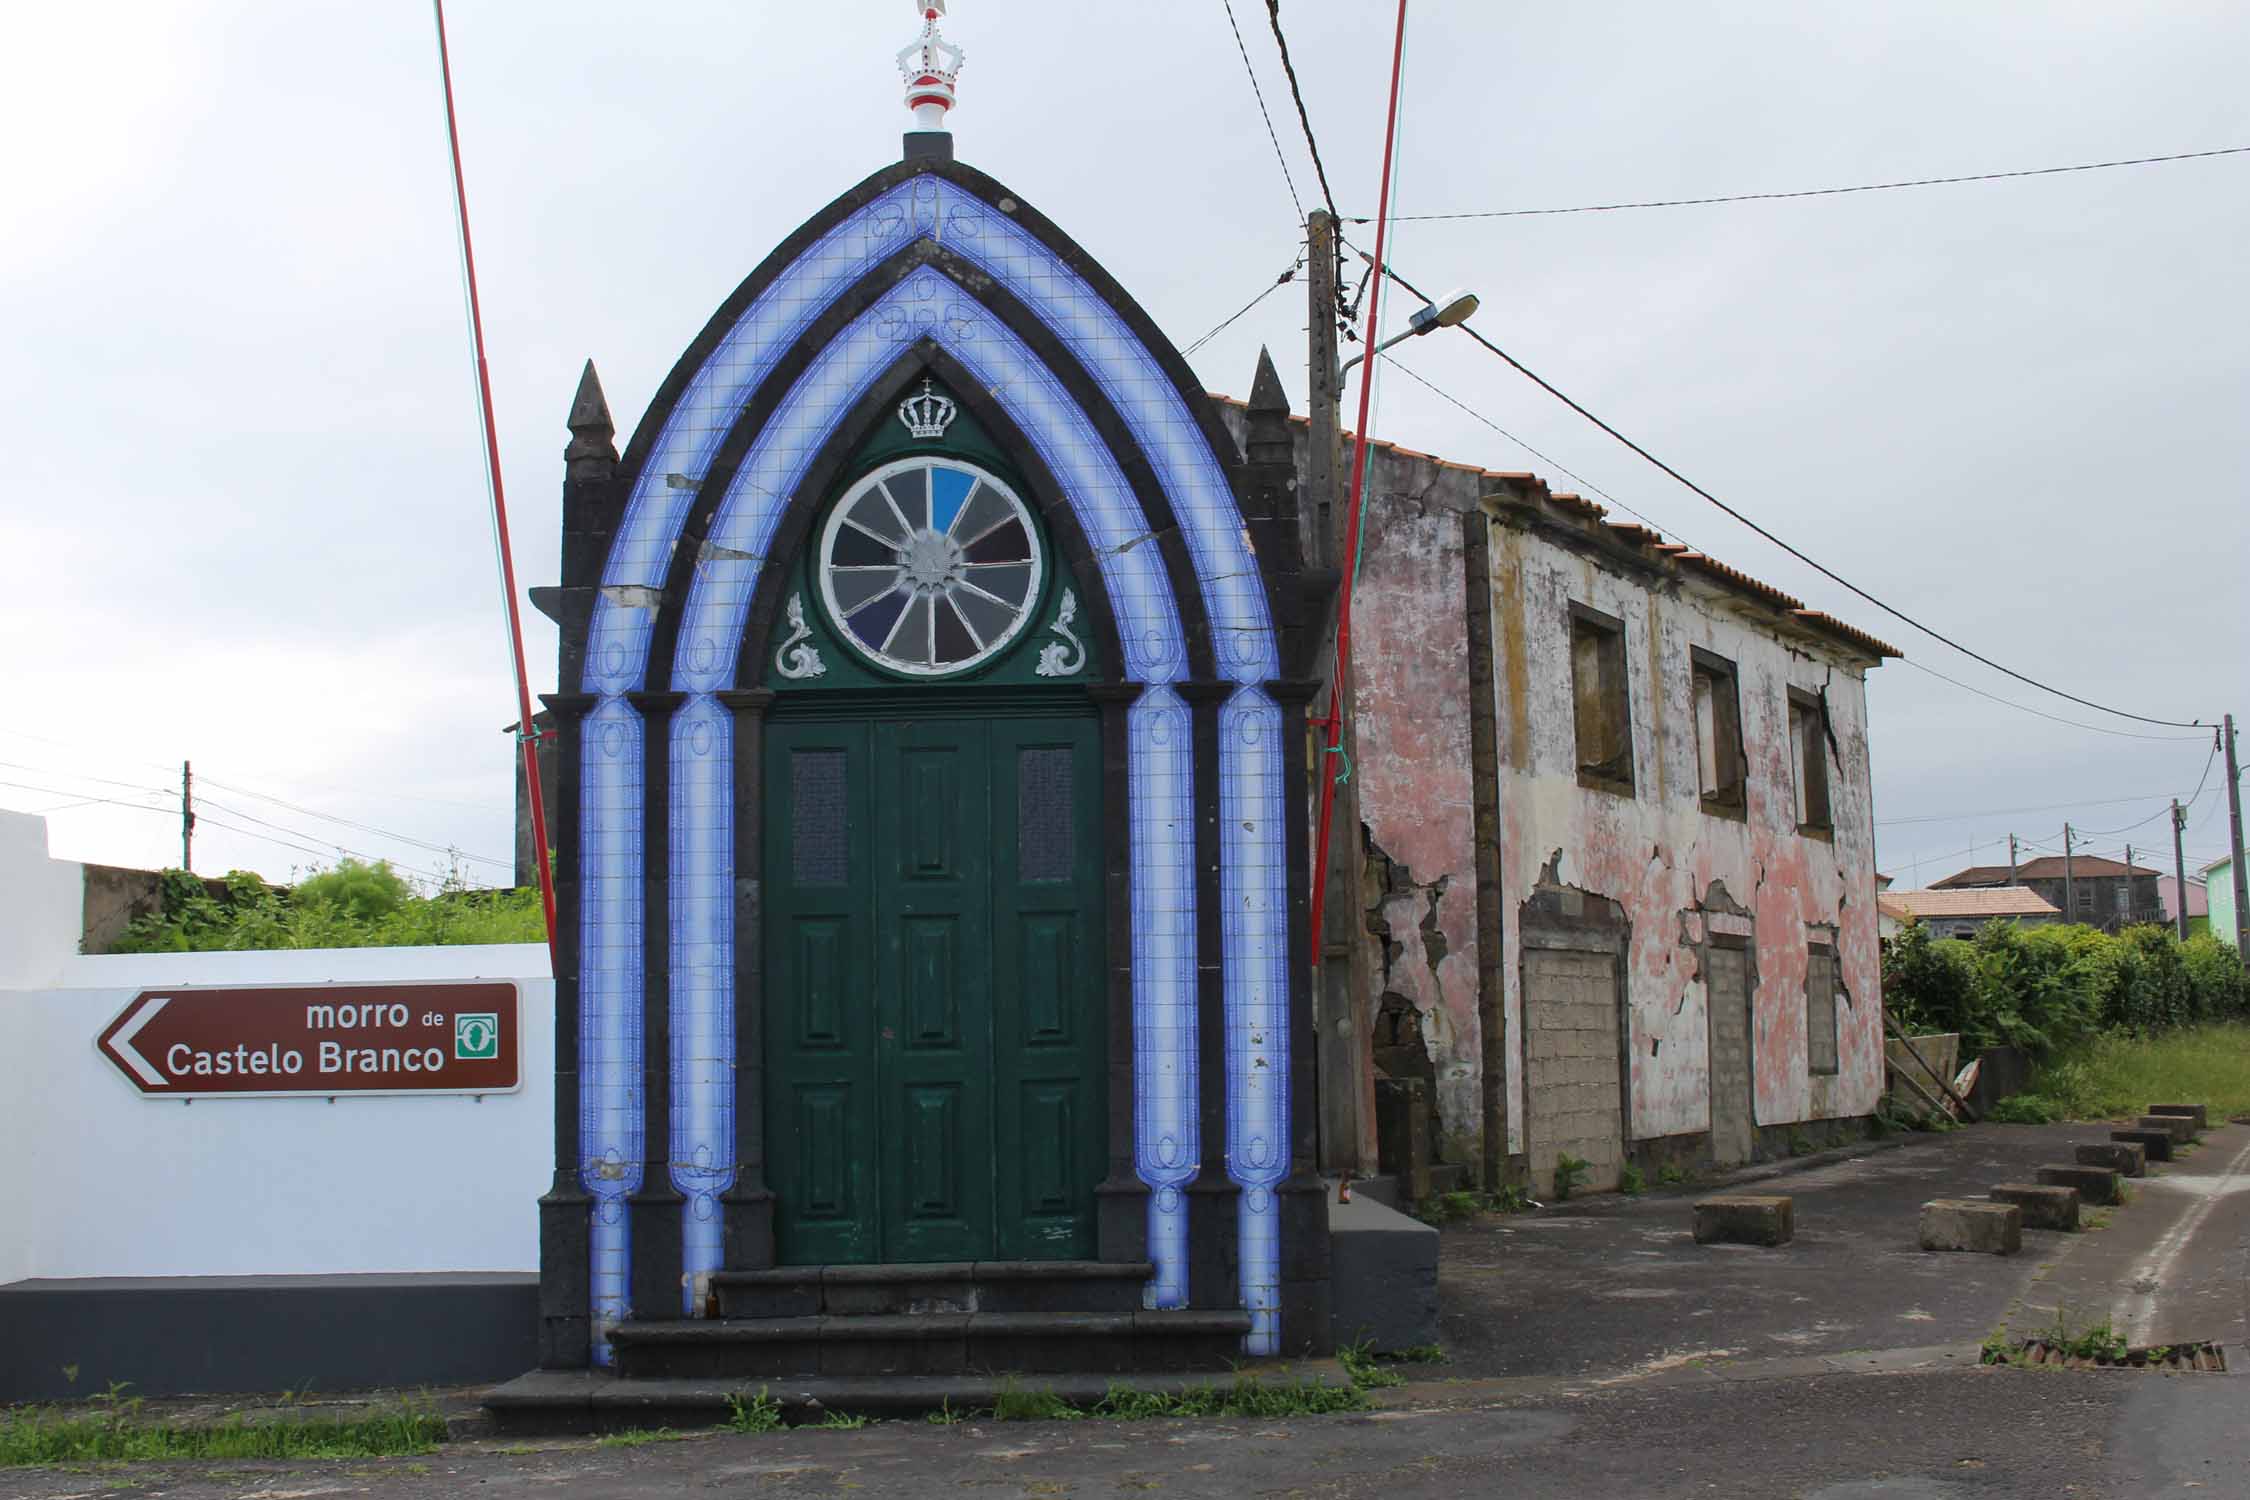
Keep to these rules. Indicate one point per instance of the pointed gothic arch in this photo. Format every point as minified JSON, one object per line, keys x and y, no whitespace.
{"x":930,"y":267}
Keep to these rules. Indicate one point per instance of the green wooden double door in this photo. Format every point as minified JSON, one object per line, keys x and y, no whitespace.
{"x":933,"y":988}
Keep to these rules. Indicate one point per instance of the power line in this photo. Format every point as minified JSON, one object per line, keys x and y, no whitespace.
{"x":1825,"y":571}
{"x":1592,"y":488}
{"x":1227,"y":322}
{"x":1320,"y":170}
{"x":1827,"y":192}
{"x":1271,"y":134}
{"x":2122,"y":734}
{"x":314,"y":812}
{"x":2005,"y":812}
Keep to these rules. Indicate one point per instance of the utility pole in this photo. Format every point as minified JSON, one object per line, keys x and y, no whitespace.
{"x":2179,"y":871}
{"x":2070,"y":883}
{"x":2234,"y":865}
{"x":1345,"y":976}
{"x":187,"y":817}
{"x":2012,"y":859}
{"x":2126,"y":915}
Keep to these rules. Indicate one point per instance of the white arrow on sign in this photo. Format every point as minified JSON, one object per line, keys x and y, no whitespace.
{"x":123,"y":1043}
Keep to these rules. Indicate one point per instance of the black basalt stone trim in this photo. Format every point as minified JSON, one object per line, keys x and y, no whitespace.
{"x":565,"y":1266}
{"x":746,"y":1207}
{"x":1212,"y":1234}
{"x":1121,"y":1202}
{"x":653,"y":1208}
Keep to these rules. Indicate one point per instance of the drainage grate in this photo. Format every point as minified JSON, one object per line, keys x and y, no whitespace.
{"x":2207,"y":1357}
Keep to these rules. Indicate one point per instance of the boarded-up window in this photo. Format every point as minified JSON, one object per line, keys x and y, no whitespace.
{"x":1821,"y":984}
{"x":1599,"y":698}
{"x":1808,"y":756}
{"x":1721,"y":767}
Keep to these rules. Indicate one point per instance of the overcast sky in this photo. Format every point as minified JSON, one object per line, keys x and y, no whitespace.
{"x":246,"y":518}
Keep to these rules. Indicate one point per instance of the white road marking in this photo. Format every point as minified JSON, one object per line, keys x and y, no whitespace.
{"x":2137,"y":1308}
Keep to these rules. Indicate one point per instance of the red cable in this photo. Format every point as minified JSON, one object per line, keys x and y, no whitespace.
{"x":1334,"y":724}
{"x":526,"y":732}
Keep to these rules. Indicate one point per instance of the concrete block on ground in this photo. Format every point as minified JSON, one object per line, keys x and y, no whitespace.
{"x":2045,"y":1205}
{"x":2180,"y":1127}
{"x":1382,"y":1269}
{"x":2156,"y":1145}
{"x":2195,"y":1112}
{"x":1972,"y":1224}
{"x":1745,"y":1219}
{"x":2127,"y":1158}
{"x":2092,"y":1184}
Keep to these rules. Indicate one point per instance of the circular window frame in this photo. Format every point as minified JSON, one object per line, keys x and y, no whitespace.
{"x":824,"y":568}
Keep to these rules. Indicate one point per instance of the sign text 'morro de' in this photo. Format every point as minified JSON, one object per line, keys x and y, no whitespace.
{"x":319,"y":1039}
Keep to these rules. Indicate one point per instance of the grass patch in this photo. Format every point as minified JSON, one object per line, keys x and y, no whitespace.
{"x":1247,"y":1396}
{"x":843,"y":1421}
{"x":638,"y":1437}
{"x":748,"y":1413}
{"x":2114,"y":1076}
{"x":1360,"y":1364}
{"x":115,"y":1433}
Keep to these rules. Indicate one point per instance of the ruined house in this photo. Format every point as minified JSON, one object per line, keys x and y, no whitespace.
{"x":1619,"y":879}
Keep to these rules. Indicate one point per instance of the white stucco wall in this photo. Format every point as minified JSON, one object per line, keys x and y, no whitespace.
{"x":106,"y":1182}
{"x":42,"y":903}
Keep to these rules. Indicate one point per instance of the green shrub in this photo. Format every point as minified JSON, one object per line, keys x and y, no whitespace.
{"x":352,"y":905}
{"x":1569,"y":1171}
{"x":2025,"y":1109}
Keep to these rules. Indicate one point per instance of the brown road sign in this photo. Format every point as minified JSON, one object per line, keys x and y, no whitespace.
{"x":320,"y":1039}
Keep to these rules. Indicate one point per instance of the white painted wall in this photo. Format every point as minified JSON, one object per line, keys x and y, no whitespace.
{"x":42,"y":904}
{"x":105,"y":1182}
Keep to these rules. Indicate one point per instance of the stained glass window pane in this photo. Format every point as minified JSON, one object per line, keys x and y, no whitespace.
{"x":818,"y":837}
{"x":1046,"y":829}
{"x":930,"y":566}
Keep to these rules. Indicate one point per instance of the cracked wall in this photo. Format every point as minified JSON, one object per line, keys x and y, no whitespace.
{"x":1659,"y":854}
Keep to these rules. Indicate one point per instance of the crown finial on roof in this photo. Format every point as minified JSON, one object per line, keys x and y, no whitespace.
{"x":930,"y":65}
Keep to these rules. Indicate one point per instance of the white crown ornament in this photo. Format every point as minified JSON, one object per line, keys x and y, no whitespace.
{"x":927,"y":415}
{"x":931,"y":65}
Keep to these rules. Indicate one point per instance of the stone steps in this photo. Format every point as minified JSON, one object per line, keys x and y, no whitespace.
{"x":1007,"y":1286}
{"x":929,"y":1343}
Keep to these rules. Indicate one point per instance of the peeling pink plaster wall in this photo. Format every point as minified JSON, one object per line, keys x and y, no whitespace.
{"x":1417,"y":796}
{"x":1658,"y":853}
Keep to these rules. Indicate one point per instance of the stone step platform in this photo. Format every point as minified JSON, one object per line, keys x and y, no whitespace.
{"x":1971,"y":1224}
{"x":2195,"y":1112}
{"x":994,"y":1286}
{"x":2182,"y":1127}
{"x":1745,"y":1219}
{"x":2044,"y":1205}
{"x":931,"y":1343}
{"x":2156,"y":1145}
{"x":2092,"y":1184}
{"x":548,"y":1403}
{"x":2123,"y":1157}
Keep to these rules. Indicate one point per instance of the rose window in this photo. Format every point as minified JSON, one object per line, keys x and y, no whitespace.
{"x":930,"y":566}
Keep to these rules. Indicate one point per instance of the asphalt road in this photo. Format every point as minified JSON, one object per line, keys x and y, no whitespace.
{"x":1840,"y":1369}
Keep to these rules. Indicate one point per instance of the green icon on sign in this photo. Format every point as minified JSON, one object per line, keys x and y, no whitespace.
{"x":476,"y":1037}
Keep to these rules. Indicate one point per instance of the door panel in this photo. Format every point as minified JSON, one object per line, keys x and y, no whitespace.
{"x":934,"y":989}
{"x":821,"y":1063}
{"x":1049,"y":992}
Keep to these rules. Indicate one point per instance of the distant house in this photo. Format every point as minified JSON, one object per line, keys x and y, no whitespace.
{"x":2198,"y":902}
{"x":1960,"y":913}
{"x":2101,"y":892}
{"x":2218,"y":885}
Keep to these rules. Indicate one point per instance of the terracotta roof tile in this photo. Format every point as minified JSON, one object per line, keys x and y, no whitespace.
{"x":2001,"y":901}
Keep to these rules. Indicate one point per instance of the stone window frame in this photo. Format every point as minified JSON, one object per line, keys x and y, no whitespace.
{"x":1610,"y":696}
{"x":1731,"y":798}
{"x":1811,"y":792}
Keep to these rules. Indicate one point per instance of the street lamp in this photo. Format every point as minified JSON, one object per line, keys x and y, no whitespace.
{"x":1449,"y":311}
